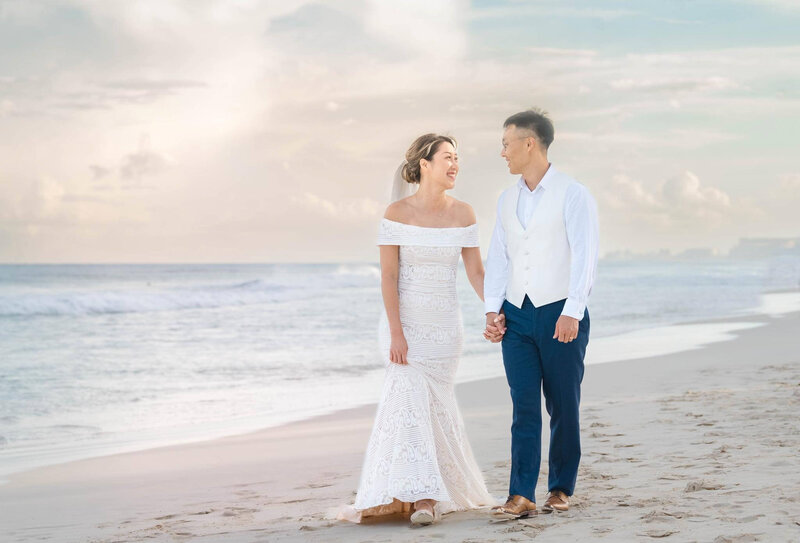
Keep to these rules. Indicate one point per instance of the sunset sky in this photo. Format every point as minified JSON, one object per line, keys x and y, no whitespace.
{"x":243,"y":131}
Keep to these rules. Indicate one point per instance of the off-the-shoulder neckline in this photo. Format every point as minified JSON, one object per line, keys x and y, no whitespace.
{"x":432,"y":227}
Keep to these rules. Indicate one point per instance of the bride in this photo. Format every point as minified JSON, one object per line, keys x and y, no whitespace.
{"x":418,"y":459}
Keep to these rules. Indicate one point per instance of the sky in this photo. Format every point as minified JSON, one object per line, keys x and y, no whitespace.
{"x":244,"y":131}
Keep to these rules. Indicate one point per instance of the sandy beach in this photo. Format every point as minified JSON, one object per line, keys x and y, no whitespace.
{"x":700,"y":445}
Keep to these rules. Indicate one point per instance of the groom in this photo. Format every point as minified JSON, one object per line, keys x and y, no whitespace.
{"x":540,"y":268}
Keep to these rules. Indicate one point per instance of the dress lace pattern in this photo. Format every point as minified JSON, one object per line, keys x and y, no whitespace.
{"x":418,"y":448}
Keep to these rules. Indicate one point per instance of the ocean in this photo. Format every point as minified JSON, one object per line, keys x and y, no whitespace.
{"x":99,"y":359}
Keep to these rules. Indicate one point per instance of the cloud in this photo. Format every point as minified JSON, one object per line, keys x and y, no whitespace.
{"x":685,"y":194}
{"x":562,"y":52}
{"x":675,"y":85}
{"x":99,"y":172}
{"x":108,"y":94}
{"x":788,"y":188}
{"x":143,"y":163}
{"x":80,"y":198}
{"x":153,"y":86}
{"x":7,"y":107}
{"x":783,"y":5}
{"x":643,"y":214}
{"x":315,"y":28}
{"x":679,"y":199}
{"x":21,"y":11}
{"x":673,"y":21}
{"x":42,"y":200}
{"x":503,"y":12}
{"x":626,"y":191}
{"x":432,"y":29}
{"x":348,"y":210}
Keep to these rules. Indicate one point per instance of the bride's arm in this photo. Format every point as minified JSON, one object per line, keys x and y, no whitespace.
{"x":474,"y":267}
{"x":391,"y":302}
{"x":471,"y":255}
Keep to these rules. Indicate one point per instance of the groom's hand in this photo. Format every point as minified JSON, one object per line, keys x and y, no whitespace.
{"x":566,"y":329}
{"x":495,"y":327}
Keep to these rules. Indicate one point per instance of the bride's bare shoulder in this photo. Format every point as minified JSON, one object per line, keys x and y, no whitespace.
{"x":398,"y":211}
{"x":464,"y":214}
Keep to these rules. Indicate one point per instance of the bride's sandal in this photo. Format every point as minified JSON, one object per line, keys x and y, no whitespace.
{"x":423,"y":516}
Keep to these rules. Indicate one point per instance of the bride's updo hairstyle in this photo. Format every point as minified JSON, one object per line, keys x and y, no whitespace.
{"x":424,"y":147}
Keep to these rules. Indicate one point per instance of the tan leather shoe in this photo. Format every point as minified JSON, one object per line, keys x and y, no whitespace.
{"x":556,"y":501}
{"x":516,"y":507}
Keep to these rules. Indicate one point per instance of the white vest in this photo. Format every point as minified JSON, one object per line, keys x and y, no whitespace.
{"x":539,"y":255}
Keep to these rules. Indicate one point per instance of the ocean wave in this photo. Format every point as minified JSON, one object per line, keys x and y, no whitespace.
{"x":283,"y":287}
{"x":359,"y":270}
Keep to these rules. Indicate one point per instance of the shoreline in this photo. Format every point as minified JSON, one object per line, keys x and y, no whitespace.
{"x":279,"y":483}
{"x":640,"y":343}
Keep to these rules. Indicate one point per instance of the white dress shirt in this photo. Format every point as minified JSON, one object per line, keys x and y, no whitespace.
{"x":580,"y":216}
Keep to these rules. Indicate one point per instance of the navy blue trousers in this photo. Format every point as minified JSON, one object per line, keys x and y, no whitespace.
{"x":535,"y":362}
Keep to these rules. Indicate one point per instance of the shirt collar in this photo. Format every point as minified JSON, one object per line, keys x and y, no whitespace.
{"x":546,"y":181}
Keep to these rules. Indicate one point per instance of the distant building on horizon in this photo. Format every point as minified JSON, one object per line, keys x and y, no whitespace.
{"x":700,"y":253}
{"x":627,"y":254}
{"x":765,"y":247}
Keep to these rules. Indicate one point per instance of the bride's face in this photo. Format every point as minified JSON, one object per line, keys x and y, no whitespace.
{"x":442,"y":168}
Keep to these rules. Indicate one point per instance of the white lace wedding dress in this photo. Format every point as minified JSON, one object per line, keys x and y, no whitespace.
{"x":418,"y":448}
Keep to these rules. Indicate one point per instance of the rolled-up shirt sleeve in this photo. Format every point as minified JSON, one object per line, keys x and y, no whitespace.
{"x":496,"y":278}
{"x":580,"y":216}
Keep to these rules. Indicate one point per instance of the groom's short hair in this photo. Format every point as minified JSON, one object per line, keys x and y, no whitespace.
{"x":535,"y":120}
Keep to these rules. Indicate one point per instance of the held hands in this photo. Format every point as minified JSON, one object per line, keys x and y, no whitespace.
{"x":398,"y":350}
{"x":566,"y":329}
{"x":495,"y":327}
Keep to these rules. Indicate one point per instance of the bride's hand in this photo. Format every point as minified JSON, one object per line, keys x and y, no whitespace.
{"x":398,"y":351}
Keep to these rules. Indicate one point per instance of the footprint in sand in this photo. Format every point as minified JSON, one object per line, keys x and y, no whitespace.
{"x":741,"y":538}
{"x":696,"y":486}
{"x":663,"y":516}
{"x":624,"y":501}
{"x":725,"y":448}
{"x":247,"y":494}
{"x":299,"y":500}
{"x":206,"y":512}
{"x":745,"y":520}
{"x":313,"y":485}
{"x":657,"y":533}
{"x":237,"y":511}
{"x":254,"y":483}
{"x":599,"y":476}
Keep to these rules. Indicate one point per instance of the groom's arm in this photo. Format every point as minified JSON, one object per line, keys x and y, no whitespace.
{"x":580,"y":216}
{"x":496,"y":279}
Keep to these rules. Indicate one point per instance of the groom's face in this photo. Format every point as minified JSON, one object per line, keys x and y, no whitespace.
{"x":516,"y":148}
